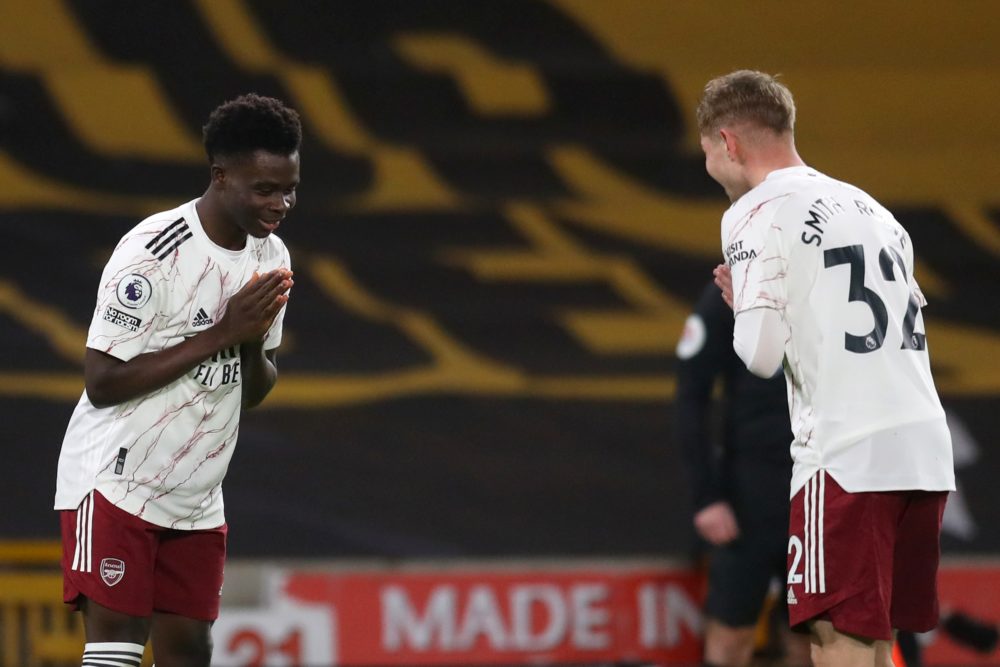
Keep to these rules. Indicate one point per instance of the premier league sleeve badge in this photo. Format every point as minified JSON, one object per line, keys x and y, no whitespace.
{"x":134,"y":291}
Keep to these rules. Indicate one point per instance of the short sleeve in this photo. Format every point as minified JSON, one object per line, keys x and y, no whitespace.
{"x":129,"y":300}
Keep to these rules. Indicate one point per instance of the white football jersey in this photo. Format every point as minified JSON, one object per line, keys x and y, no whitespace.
{"x":162,"y":456}
{"x":838,"y":267}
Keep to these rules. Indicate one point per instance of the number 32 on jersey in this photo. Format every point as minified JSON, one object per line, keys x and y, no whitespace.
{"x":889,"y":259}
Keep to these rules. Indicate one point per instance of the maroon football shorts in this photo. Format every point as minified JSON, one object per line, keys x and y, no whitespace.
{"x":135,"y":567}
{"x":866,"y":561}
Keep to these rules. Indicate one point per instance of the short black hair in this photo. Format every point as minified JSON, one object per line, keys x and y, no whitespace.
{"x":252,"y":122}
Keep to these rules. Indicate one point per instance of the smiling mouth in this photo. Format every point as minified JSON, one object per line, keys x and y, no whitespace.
{"x":270,"y":225}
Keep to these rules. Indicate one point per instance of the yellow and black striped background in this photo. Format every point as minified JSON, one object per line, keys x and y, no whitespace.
{"x":502,"y":223}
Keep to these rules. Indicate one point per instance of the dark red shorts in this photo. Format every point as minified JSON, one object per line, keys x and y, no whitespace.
{"x":867,"y":562}
{"x":135,"y":567}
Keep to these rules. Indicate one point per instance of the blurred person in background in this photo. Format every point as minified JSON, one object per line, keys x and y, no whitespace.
{"x":184,"y":336}
{"x":739,"y":481}
{"x":820,"y":278}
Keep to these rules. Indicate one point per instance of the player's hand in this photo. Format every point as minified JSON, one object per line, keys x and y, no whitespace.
{"x":716,"y":523}
{"x":724,"y":281}
{"x":251,"y":311}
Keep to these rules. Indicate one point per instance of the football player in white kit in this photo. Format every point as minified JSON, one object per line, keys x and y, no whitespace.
{"x":820,"y":278}
{"x":184,"y":336}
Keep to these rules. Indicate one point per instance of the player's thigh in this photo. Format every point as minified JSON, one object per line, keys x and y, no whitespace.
{"x":833,"y":648}
{"x":179,"y":641}
{"x":915,"y":564}
{"x":108,"y":557}
{"x":189,"y":573}
{"x":101,"y":624}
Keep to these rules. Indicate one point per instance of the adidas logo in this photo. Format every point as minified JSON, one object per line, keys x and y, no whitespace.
{"x":201,"y":319}
{"x":791,"y":596}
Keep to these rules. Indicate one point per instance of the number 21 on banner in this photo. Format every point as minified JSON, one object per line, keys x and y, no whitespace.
{"x":256,"y":651}
{"x":276,"y":636}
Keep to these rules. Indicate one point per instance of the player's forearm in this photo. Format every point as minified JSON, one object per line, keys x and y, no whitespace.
{"x":110,"y":381}
{"x":259,"y":374}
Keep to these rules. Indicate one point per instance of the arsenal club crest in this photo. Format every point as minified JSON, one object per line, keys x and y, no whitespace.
{"x":112,"y":570}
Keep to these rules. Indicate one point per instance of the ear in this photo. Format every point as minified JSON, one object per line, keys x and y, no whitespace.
{"x":218,"y":174}
{"x":734,"y":148}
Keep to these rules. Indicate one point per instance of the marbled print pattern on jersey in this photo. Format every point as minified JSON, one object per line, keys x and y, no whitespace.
{"x":178,"y":440}
{"x":754,"y":264}
{"x":838,"y":268}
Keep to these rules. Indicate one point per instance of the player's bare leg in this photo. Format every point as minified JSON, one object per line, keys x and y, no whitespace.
{"x":728,"y":646}
{"x":106,"y":625}
{"x":884,"y":651}
{"x":798,"y":649}
{"x":181,"y":642}
{"x":831,"y":648}
{"x":113,"y":638}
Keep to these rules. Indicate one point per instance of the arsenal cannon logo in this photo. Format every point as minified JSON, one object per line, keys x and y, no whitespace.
{"x":112,"y":570}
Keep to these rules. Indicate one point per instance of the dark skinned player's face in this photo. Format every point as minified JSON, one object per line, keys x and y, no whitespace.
{"x":257,"y":189}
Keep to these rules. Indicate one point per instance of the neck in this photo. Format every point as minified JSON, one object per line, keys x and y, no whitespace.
{"x":764,"y":161}
{"x":218,"y":227}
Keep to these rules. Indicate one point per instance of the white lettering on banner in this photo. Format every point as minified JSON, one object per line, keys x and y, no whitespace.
{"x":400,"y":619}
{"x":588,"y":618}
{"x":663,"y":613}
{"x":482,"y":617}
{"x":523,"y":600}
{"x":537,"y":617}
{"x":283,"y":635}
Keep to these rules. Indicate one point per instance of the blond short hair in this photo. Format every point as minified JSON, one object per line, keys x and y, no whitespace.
{"x":746,"y":96}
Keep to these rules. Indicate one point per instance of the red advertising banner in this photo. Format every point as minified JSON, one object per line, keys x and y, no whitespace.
{"x":972,"y":589}
{"x":517,"y":615}
{"x":498,"y":617}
